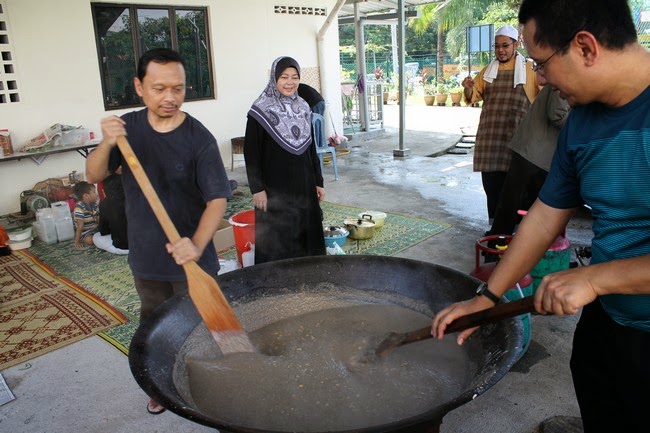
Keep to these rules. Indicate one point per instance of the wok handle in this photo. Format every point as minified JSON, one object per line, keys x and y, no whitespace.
{"x":147,"y":189}
{"x":479,"y":318}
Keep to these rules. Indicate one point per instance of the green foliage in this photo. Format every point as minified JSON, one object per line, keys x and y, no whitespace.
{"x":347,"y":104}
{"x":378,"y":42}
{"x":500,"y":14}
{"x":429,"y":89}
{"x":346,"y":75}
{"x":450,"y":16}
{"x":393,"y":82}
{"x":448,"y":86}
{"x":455,"y":88}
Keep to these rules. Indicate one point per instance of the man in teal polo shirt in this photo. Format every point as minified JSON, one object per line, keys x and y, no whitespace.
{"x":588,"y":51}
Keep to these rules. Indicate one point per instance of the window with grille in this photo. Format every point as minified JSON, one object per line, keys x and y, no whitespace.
{"x":8,"y":82}
{"x":124,"y":32}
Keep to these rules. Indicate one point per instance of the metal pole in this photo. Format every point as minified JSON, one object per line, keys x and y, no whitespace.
{"x":469,"y":57}
{"x":361,"y":68}
{"x":393,"y":40}
{"x":401,"y":151}
{"x":364,"y":116}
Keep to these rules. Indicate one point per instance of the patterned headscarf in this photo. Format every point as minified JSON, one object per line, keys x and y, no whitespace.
{"x":286,"y":118}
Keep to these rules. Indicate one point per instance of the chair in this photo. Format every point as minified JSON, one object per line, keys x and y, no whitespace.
{"x":318,"y":124}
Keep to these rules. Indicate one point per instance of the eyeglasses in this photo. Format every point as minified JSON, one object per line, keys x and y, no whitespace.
{"x":503,"y":46}
{"x":540,"y":66}
{"x":537,"y":67}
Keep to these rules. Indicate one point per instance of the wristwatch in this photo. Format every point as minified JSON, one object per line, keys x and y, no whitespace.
{"x":483,"y":290}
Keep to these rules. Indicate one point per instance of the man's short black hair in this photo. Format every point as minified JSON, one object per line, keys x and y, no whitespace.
{"x":157,"y":55}
{"x":557,"y":21}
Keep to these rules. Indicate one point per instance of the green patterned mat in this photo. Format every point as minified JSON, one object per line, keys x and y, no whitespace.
{"x":109,"y":277}
{"x":102,"y":273}
{"x":398,"y":233}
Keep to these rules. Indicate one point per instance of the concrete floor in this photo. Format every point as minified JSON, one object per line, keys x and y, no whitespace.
{"x":88,"y":387}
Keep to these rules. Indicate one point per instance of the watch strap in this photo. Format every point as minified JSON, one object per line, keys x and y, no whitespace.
{"x":483,"y":290}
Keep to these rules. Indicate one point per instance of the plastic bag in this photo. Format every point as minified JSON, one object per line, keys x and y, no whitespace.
{"x":336,"y":250}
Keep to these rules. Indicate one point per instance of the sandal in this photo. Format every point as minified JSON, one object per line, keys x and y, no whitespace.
{"x":154,"y":408}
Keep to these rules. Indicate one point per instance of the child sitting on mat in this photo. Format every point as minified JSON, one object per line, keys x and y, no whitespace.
{"x":86,"y":214}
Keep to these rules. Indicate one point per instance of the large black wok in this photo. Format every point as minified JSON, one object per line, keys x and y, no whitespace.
{"x":493,"y":349}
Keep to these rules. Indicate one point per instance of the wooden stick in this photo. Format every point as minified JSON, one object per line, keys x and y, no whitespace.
{"x":479,"y":318}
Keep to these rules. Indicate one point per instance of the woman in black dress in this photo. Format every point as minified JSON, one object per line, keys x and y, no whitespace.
{"x":283,"y":169}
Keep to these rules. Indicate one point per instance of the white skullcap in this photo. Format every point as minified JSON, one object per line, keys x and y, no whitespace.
{"x":508,"y":31}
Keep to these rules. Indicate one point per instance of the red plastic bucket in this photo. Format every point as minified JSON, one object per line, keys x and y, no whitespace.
{"x":243,"y":227}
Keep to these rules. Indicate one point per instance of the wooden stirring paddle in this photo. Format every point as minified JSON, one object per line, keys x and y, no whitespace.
{"x":392,"y":340}
{"x":203,"y":289}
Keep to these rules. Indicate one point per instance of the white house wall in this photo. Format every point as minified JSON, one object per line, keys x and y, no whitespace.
{"x":56,"y":69}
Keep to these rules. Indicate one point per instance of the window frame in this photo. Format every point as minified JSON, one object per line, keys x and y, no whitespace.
{"x":136,"y":42}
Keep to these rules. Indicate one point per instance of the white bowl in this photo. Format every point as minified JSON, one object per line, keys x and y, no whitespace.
{"x":20,"y":245}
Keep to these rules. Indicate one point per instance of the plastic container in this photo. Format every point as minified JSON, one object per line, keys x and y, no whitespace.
{"x":556,"y":258}
{"x":5,"y":143}
{"x":45,"y":213}
{"x":20,"y":245}
{"x":64,"y":228}
{"x":335,"y":235}
{"x":45,"y":231}
{"x":20,"y":235}
{"x":248,"y":256}
{"x":60,"y":210}
{"x":243,"y":225}
{"x":45,"y":226}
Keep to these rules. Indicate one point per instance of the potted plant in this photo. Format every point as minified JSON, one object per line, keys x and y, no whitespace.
{"x":347,"y":105}
{"x":441,"y":94}
{"x":393,"y":88}
{"x":426,"y":88}
{"x":429,"y":93}
{"x":379,"y":74}
{"x":456,"y":93}
{"x":381,"y":78}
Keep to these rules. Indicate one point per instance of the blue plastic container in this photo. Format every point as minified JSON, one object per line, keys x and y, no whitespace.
{"x":335,"y":235}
